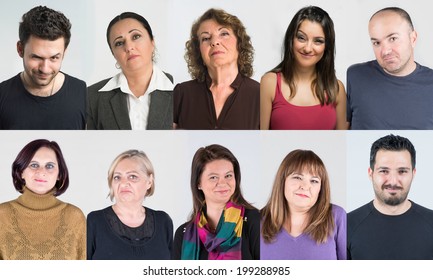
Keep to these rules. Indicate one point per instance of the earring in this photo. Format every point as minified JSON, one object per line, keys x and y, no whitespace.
{"x":117,"y":65}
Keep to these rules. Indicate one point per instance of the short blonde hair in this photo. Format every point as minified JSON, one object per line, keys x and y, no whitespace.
{"x":146,"y":166}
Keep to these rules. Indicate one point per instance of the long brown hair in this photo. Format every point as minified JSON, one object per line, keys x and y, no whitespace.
{"x":325,"y":85}
{"x":276,"y":213}
{"x":202,"y":157}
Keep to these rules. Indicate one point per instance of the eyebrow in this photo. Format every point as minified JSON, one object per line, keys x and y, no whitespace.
{"x":390,"y":35}
{"x":130,"y":31}
{"x":40,"y":57}
{"x":219,"y":29}
{"x":315,"y":37}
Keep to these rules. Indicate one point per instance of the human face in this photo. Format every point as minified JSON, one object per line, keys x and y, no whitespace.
{"x":43,"y":171}
{"x":309,"y":44}
{"x":393,"y":43}
{"x":218,"y":181}
{"x":42,"y":60}
{"x":392,"y":176}
{"x":301,"y":190}
{"x":218,"y":44}
{"x":131,"y":45}
{"x":130,"y":181}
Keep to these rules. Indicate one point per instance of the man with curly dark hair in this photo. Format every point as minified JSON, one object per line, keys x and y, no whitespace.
{"x":41,"y":96}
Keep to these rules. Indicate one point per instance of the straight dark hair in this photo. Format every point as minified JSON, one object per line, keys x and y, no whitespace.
{"x":325,"y":85}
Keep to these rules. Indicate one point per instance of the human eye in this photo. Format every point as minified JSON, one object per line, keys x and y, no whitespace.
{"x":49,"y":166}
{"x":315,"y":181}
{"x":33,"y":165}
{"x":213,"y":178}
{"x":375,"y":43}
{"x":118,"y":43}
{"x":403,"y":171}
{"x":300,"y":37}
{"x":229,"y":176}
{"x":393,"y":39}
{"x":116,"y":178}
{"x":319,"y":41}
{"x":383,"y":171}
{"x":205,"y":39}
{"x":136,"y":36}
{"x":133,"y":178}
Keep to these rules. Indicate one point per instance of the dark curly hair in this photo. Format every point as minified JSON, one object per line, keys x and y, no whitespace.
{"x":44,"y":23}
{"x":193,"y":58}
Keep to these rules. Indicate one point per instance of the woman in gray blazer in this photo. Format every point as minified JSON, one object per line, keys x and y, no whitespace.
{"x":140,"y":96}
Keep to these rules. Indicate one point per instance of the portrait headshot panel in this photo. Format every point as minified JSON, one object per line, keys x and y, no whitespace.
{"x":359,"y":186}
{"x":329,"y":146}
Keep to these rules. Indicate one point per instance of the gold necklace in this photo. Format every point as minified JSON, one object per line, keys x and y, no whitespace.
{"x":27,"y":85}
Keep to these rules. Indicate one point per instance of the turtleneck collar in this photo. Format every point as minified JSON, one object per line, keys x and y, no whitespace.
{"x":35,"y":201}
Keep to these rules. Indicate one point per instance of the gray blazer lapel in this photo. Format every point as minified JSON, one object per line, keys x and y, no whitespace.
{"x":160,"y":110}
{"x":120,"y":110}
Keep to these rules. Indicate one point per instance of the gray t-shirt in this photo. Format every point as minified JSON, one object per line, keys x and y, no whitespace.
{"x":377,"y":100}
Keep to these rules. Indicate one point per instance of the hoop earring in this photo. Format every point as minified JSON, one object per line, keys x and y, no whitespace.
{"x":117,"y":65}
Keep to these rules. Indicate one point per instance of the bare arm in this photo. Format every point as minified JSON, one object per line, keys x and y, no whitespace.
{"x":267,"y":94}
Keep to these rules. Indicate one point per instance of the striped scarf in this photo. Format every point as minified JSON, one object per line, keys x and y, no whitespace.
{"x":223,"y":244}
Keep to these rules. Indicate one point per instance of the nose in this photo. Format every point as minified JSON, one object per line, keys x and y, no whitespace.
{"x":308,"y":47}
{"x":385,"y":50}
{"x":129,"y":46}
{"x":392,"y":178}
{"x":214,"y":42}
{"x":44,"y":66}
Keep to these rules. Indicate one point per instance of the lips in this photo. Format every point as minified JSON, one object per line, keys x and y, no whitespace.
{"x":132,"y":57}
{"x":216,"y":53}
{"x":302,"y":195}
{"x":40,"y":181}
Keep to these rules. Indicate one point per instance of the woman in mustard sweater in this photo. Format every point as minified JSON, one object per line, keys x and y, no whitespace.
{"x":36,"y":225}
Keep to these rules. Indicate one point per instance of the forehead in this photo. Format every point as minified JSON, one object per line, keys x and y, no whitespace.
{"x":130,"y":163}
{"x":210,"y":25}
{"x":218,"y":165}
{"x":387,"y":22}
{"x":126,"y":25}
{"x":44,"y":153}
{"x":394,"y":159}
{"x":312,"y":28}
{"x":45,"y":48}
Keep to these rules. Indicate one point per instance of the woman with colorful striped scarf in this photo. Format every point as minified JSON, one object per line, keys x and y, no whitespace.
{"x":223,"y":225}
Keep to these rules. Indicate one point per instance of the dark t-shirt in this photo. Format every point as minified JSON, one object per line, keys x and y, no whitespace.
{"x":66,"y":109}
{"x":194,"y":106}
{"x":372,"y":235}
{"x":377,"y":100}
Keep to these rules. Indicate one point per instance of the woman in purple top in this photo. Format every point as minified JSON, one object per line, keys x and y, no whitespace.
{"x":299,"y":222}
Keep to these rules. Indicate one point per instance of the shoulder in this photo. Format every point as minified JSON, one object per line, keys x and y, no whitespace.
{"x":188,"y":84}
{"x":74,"y":81}
{"x":73,"y":210}
{"x":251,"y":83}
{"x":252,"y":217}
{"x":358,"y":215}
{"x":422,"y":210}
{"x":5,"y":208}
{"x":361,"y":66}
{"x":97,"y":214}
{"x":93,"y":89}
{"x":338,"y":212}
{"x":269,"y":78}
{"x":181,"y":230}
{"x":160,"y":216}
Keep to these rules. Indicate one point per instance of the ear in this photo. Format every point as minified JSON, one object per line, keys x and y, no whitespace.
{"x":20,"y":49}
{"x":370,"y":173}
{"x":413,"y":38}
{"x":149,"y":182}
{"x":413,"y":173}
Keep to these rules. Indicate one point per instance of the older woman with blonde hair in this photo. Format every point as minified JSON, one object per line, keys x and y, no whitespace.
{"x":299,"y":221}
{"x":221,"y":95}
{"x":127,"y":229}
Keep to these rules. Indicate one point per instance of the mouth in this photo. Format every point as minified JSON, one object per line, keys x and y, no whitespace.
{"x":132,"y":57}
{"x":216,"y":53}
{"x":223,"y":192}
{"x":302,"y":195}
{"x":40,"y":181}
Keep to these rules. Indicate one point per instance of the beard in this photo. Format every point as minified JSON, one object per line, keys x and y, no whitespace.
{"x":392,"y":199}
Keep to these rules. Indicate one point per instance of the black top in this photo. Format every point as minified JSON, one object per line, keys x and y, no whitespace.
{"x":372,"y":235}
{"x":66,"y":109}
{"x":194,"y":108}
{"x":109,"y":239}
{"x":250,"y":238}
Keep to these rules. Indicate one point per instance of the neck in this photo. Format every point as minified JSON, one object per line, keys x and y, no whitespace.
{"x":35,"y":201}
{"x":139,"y":80}
{"x":391,"y":210}
{"x":129,"y":210}
{"x":37,"y":90}
{"x":223,"y":76}
{"x":213,"y":213}
{"x":305,"y":74}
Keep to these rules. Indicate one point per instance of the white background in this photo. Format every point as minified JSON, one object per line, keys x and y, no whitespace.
{"x":266,"y":21}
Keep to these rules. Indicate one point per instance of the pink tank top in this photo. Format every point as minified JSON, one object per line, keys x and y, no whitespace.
{"x":288,"y":116}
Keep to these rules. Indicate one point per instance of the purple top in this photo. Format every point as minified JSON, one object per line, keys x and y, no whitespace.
{"x":303,"y":247}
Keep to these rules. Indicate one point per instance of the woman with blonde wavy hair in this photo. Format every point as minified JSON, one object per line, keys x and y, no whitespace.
{"x":219,"y":55}
{"x":299,"y":221}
